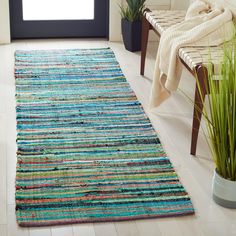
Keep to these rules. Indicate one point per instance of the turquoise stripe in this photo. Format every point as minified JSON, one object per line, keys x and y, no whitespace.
{"x":86,"y":150}
{"x":75,"y":215}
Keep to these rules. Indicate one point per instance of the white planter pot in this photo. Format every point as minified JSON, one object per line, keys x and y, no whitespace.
{"x":224,"y":191}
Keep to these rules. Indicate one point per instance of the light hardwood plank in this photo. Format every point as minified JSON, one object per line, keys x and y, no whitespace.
{"x":127,"y":228}
{"x":40,"y":232}
{"x":217,"y":229}
{"x":206,"y":209}
{"x":172,"y":120}
{"x":189,"y":226}
{"x":148,"y":227}
{"x":3,"y":172}
{"x":3,"y":230}
{"x":105,"y":229}
{"x":13,"y":229}
{"x":62,"y":231}
{"x":11,"y":158}
{"x":83,"y":230}
{"x":11,"y":175}
{"x":232,"y":230}
{"x":168,"y":227}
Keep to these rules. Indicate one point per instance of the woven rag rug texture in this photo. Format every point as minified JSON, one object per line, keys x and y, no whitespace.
{"x":86,"y":150}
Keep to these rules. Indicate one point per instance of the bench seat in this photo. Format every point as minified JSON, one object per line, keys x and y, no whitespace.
{"x":162,"y":19}
{"x":194,"y":58}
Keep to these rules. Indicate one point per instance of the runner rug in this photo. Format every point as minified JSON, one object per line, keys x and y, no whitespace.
{"x":86,"y":150}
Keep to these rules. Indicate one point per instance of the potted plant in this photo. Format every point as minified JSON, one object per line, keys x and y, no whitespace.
{"x":131,"y":15}
{"x":220,"y":116}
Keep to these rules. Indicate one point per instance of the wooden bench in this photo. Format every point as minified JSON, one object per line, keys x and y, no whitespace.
{"x":195,"y":59}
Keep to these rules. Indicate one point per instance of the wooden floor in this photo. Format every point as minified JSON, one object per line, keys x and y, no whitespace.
{"x":173,"y":123}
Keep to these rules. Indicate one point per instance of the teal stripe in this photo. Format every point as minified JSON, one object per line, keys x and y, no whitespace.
{"x":86,"y":150}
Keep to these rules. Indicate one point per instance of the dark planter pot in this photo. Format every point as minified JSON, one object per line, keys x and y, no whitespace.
{"x":131,"y":32}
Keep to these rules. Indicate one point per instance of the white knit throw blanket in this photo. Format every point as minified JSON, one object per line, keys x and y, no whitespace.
{"x":204,"y":25}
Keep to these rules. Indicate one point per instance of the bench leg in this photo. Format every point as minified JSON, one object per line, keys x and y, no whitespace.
{"x":200,"y":93}
{"x":144,"y":41}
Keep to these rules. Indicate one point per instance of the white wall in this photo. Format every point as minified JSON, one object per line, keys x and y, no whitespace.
{"x":180,"y":4}
{"x":4,"y":22}
{"x":158,"y":4}
{"x":115,"y":31}
{"x":115,"y":21}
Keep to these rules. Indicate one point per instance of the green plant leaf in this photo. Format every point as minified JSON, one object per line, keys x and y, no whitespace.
{"x":220,"y":114}
{"x":133,"y":10}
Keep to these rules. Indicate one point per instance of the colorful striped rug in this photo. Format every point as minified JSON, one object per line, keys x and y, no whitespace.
{"x":86,"y":150}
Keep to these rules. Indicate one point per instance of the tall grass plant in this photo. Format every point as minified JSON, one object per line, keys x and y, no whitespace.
{"x":220,"y":114}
